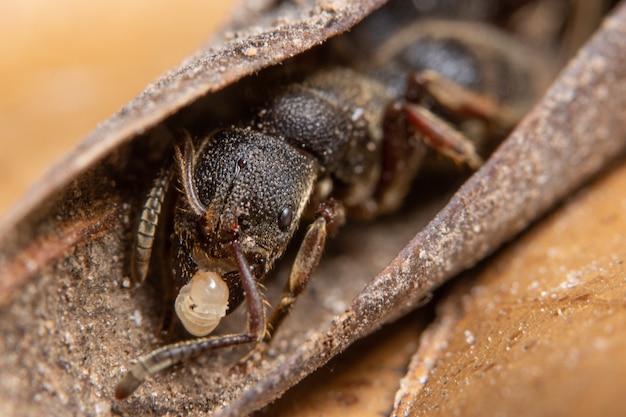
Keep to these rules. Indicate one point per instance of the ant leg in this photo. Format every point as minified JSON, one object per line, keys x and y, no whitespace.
{"x":169,"y":355}
{"x":330,"y":216}
{"x":401,"y":156}
{"x":460,"y":100}
{"x":409,"y":128}
{"x":442,"y":137}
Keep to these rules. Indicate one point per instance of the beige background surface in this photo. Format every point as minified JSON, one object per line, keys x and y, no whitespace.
{"x":68,"y":64}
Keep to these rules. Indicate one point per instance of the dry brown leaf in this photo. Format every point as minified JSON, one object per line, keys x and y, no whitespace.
{"x":563,"y":141}
{"x":362,"y":381}
{"x":292,"y":31}
{"x":542,"y":330}
{"x":68,"y":334}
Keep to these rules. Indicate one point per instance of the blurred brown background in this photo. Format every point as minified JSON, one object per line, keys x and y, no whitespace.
{"x":68,"y":64}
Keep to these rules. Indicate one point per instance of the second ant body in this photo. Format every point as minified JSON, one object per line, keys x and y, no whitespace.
{"x":339,"y":142}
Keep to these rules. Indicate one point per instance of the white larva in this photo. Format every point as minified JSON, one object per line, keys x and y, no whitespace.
{"x":202,"y":303}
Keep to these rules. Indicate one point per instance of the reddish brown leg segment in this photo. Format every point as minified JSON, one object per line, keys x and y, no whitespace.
{"x":442,"y":137}
{"x":409,"y":128}
{"x":462,"y":102}
{"x":330,"y":216}
{"x":402,"y":154}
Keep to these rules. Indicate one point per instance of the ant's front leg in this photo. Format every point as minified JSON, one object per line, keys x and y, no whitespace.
{"x":329,"y":217}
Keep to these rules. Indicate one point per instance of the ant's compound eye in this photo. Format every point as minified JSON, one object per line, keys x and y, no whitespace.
{"x":284,"y":219}
{"x":202,"y":303}
{"x":242,"y":222}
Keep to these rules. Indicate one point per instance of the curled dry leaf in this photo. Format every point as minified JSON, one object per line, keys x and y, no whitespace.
{"x":294,"y":30}
{"x":68,"y":334}
{"x":541,"y":330}
{"x":567,"y":138}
